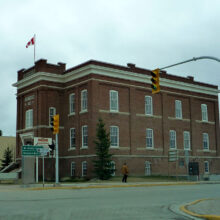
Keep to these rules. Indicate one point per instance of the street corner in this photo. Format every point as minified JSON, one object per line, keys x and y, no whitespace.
{"x":203,"y":208}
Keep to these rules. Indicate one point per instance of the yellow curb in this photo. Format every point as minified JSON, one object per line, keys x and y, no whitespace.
{"x":110,"y":186}
{"x":209,"y":217}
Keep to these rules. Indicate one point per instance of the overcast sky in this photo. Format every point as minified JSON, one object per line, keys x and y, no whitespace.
{"x":149,"y":33}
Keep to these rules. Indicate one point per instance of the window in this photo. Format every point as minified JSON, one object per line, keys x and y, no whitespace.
{"x":147,"y":168}
{"x":186,"y":140}
{"x":113,"y":167}
{"x":113,"y":100}
{"x":73,"y":169}
{"x":205,"y":141}
{"x":85,"y":136}
{"x":148,"y":105}
{"x":178,"y":108}
{"x":29,"y":118}
{"x":172,"y":139}
{"x":206,"y":166}
{"x":84,"y":168}
{"x":84,"y":100}
{"x":204,"y":112}
{"x":149,"y":138}
{"x":114,"y":136}
{"x":72,"y":103}
{"x":52,"y":112}
{"x":72,"y":137}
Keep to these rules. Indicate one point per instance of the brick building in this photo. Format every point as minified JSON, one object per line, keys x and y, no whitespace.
{"x":143,"y":127}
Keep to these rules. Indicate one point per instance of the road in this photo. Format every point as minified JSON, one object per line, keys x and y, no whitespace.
{"x":133,"y":203}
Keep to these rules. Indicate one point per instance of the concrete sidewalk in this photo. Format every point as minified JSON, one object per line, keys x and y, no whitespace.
{"x":203,"y":208}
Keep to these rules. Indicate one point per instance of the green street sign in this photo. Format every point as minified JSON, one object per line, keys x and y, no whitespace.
{"x":30,"y":150}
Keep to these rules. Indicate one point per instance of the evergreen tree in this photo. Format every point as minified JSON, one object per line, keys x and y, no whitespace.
{"x":102,"y":166}
{"x":7,"y":158}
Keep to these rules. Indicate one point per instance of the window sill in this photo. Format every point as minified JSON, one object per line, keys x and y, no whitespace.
{"x":114,"y":147}
{"x":82,"y":148}
{"x":71,"y":148}
{"x":71,"y":114}
{"x":84,"y":111}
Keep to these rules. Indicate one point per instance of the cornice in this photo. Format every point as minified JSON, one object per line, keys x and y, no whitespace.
{"x":110,"y":72}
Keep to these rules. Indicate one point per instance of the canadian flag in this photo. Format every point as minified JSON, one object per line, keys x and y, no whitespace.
{"x":31,"y":42}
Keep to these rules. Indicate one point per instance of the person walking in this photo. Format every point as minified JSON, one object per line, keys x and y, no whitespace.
{"x":124,"y":171}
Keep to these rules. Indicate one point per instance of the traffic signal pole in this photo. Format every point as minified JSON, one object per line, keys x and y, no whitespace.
{"x":57,"y":160}
{"x":193,"y":59}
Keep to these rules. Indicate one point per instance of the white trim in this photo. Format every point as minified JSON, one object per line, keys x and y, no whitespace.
{"x":111,"y":92}
{"x":152,"y":137}
{"x":113,"y":126}
{"x":82,"y":145}
{"x":104,"y":71}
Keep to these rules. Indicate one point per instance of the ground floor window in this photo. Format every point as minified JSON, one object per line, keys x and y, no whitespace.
{"x":113,"y":167}
{"x":206,"y":166}
{"x":73,"y":169}
{"x":84,"y":168}
{"x":147,"y":168}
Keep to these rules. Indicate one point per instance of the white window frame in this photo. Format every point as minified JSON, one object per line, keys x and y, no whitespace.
{"x":204,"y":110}
{"x":29,"y":118}
{"x":206,"y":167}
{"x":73,"y":169}
{"x":148,"y":105}
{"x":84,"y":167}
{"x":147,"y":168}
{"x":53,"y":111}
{"x":113,"y":94}
{"x":72,"y":137}
{"x":186,"y":140}
{"x":114,"y":134}
{"x":85,"y":136}
{"x":173,"y":139}
{"x":84,"y":100}
{"x":72,"y":103}
{"x":149,"y":136}
{"x":205,"y":141}
{"x":178,"y":109}
{"x":113,"y":165}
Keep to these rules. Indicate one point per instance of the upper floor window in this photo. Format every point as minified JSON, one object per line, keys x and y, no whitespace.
{"x":148,"y":105}
{"x":52,"y":112}
{"x":73,"y":169}
{"x":29,"y":118}
{"x":72,"y":103}
{"x":172,"y":139}
{"x":113,"y":100}
{"x":204,"y":112}
{"x":84,"y":100}
{"x":72,"y":137}
{"x":149,"y":138}
{"x":205,"y":141}
{"x":84,"y":136}
{"x":178,"y":108}
{"x":114,"y":136}
{"x":84,"y":168}
{"x":186,"y":140}
{"x":206,"y":166}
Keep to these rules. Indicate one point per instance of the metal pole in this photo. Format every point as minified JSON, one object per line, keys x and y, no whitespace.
{"x":193,"y":59}
{"x":43,"y":170}
{"x":57,"y":160}
{"x":36,"y":169}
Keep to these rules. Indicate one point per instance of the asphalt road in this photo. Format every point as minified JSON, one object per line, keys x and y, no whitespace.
{"x":133,"y":203}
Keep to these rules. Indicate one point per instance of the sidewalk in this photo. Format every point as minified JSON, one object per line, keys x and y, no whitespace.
{"x":203,"y":208}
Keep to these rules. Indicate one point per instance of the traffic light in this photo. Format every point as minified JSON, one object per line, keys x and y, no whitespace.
{"x":55,"y":122}
{"x":155,"y":81}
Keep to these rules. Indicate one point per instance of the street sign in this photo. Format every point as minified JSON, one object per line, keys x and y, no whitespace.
{"x":30,"y":150}
{"x":173,"y":156}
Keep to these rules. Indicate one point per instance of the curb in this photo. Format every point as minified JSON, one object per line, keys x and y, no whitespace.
{"x":209,"y":217}
{"x":110,"y":186}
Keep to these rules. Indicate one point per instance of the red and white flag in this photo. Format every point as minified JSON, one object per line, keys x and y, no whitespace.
{"x":31,"y":42}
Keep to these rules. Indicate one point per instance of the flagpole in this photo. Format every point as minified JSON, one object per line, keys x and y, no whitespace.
{"x":34,"y":46}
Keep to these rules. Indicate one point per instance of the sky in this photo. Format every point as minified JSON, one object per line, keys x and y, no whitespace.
{"x":148,"y":33}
